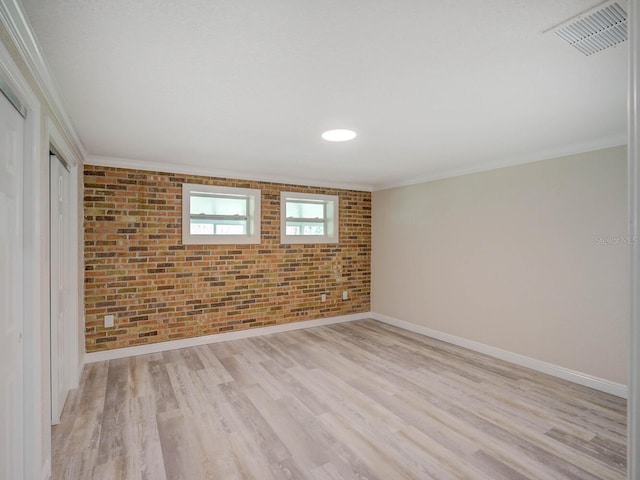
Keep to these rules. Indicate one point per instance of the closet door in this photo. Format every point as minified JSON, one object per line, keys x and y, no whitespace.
{"x":59,"y":223}
{"x":11,"y":290}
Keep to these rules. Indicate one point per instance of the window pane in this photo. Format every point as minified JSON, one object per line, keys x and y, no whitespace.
{"x":302,"y":228}
{"x":305,"y":210}
{"x":230,"y":228}
{"x":201,"y":228}
{"x":209,"y":205}
{"x":218,"y":227}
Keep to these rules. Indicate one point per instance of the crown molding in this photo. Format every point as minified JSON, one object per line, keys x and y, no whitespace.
{"x":591,"y":146}
{"x":15,"y":22}
{"x":190,"y":169}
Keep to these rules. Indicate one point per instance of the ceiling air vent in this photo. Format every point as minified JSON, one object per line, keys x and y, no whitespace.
{"x":596,"y":29}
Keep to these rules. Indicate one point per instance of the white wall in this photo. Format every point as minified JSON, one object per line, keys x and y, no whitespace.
{"x":515,"y":258}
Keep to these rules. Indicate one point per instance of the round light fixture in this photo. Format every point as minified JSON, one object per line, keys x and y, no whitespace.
{"x":339,"y":135}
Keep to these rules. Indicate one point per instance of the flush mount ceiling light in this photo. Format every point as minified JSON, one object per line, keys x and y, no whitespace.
{"x":339,"y":135}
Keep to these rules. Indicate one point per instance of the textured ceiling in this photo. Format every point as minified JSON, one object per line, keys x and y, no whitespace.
{"x":246,"y":87}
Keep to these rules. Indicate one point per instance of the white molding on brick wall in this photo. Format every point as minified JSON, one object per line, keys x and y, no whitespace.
{"x":580,"y":378}
{"x":92,"y":357}
{"x":189,"y":169}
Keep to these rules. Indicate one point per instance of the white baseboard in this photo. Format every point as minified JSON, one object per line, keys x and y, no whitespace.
{"x":218,"y":337}
{"x":580,"y":378}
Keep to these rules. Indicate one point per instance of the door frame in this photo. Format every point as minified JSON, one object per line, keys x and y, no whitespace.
{"x":35,"y":281}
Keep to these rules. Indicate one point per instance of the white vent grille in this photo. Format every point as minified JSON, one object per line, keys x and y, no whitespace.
{"x":595,"y":30}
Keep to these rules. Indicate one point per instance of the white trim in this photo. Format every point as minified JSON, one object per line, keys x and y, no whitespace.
{"x":633,"y":406}
{"x":190,"y":169}
{"x":580,"y":378}
{"x":93,"y":357}
{"x":18,"y":28}
{"x":61,"y":145}
{"x":609,"y":142}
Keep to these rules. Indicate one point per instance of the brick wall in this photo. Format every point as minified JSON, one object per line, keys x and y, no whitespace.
{"x":137,"y":269}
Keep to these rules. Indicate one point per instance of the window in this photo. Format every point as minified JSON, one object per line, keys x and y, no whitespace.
{"x":220,"y":215}
{"x":308,"y":218}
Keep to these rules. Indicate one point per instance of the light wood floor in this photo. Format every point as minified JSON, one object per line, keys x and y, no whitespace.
{"x":359,"y":400}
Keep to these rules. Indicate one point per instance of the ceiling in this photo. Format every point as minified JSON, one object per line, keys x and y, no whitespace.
{"x":246,"y":87}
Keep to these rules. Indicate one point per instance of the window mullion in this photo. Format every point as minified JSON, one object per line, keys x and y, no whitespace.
{"x":324,"y":218}
{"x":305,"y":220}
{"x":204,"y":216}
{"x":246,"y":218}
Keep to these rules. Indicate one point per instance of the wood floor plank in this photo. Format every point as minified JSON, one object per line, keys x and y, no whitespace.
{"x":147,"y":439}
{"x":177,"y":455}
{"x":494,"y":468}
{"x":292,"y":434}
{"x":114,"y":418}
{"x":163,"y":394}
{"x":360,"y":400}
{"x":243,"y":418}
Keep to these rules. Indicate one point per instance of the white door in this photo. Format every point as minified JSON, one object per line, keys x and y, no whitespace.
{"x":59,"y":193}
{"x":11,"y":264}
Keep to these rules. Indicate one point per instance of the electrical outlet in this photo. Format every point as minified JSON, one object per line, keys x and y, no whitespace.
{"x":323,"y":297}
{"x":345,"y":295}
{"x":109,"y":321}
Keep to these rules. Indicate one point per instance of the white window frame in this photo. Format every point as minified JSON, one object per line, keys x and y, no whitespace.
{"x":332,"y":220}
{"x":253,"y":215}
